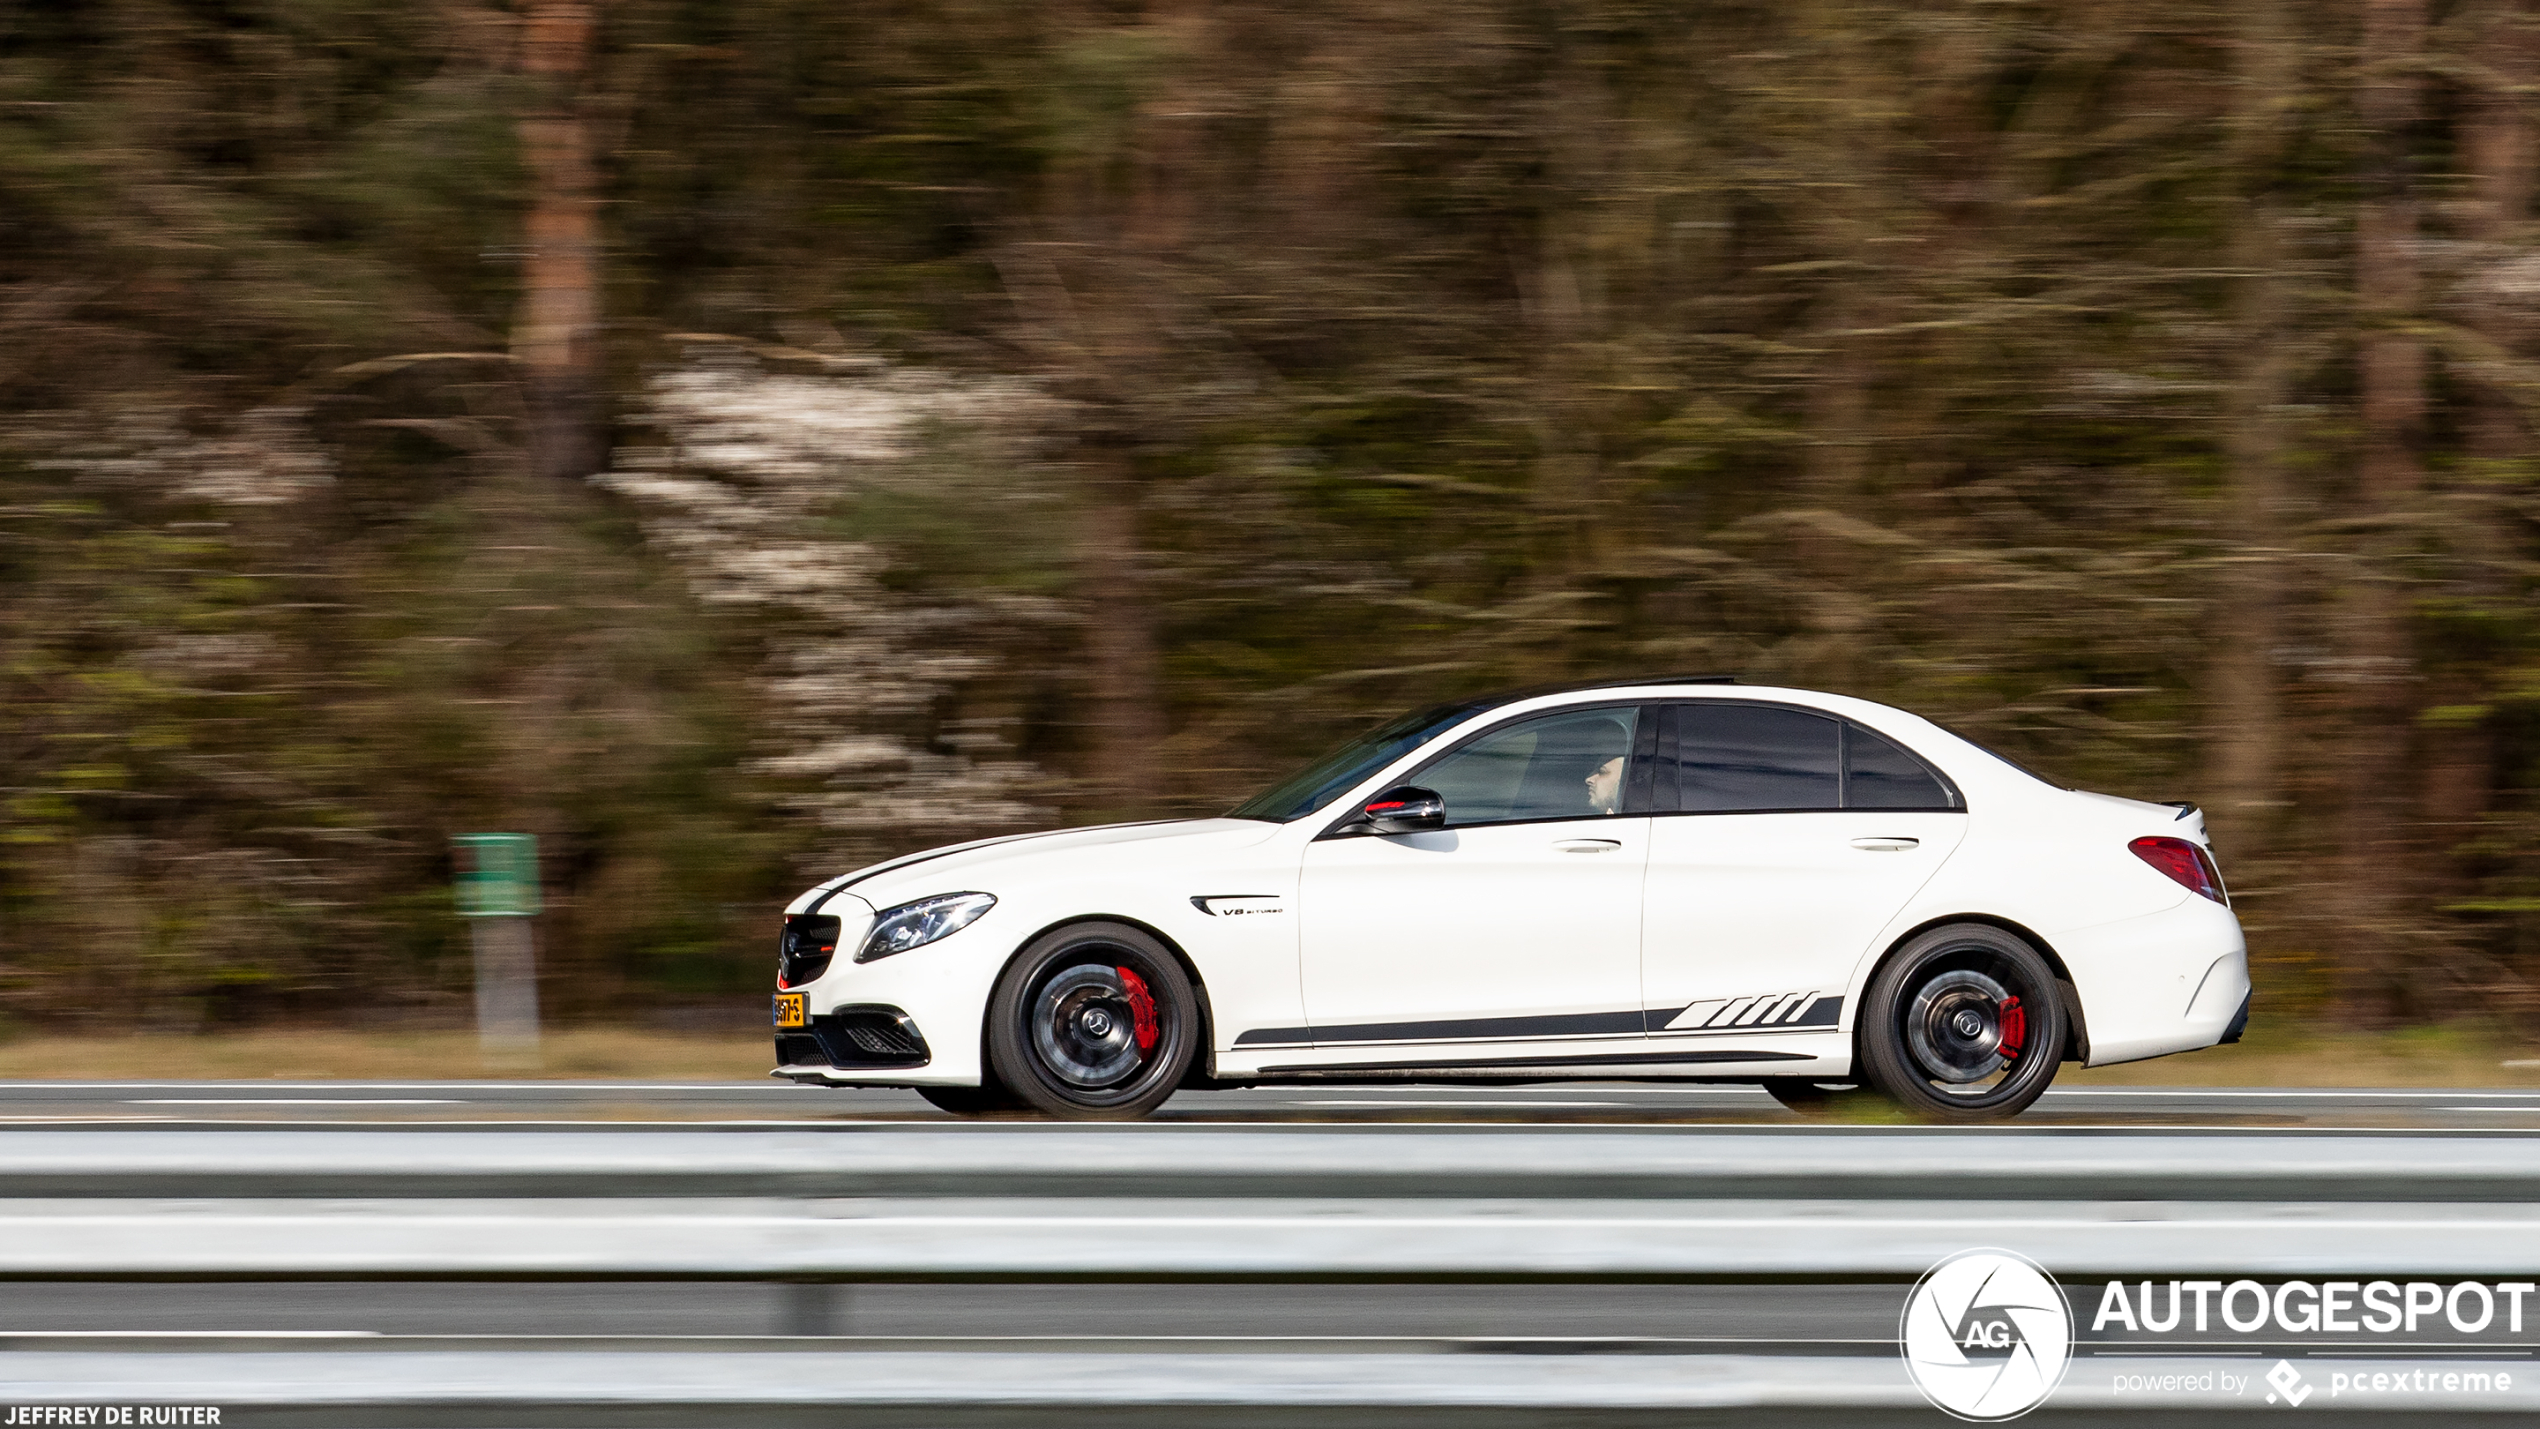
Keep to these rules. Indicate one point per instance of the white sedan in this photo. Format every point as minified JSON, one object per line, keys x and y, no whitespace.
{"x":1662,"y":880}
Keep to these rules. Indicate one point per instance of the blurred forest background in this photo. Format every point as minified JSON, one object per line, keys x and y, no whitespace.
{"x":736,"y":440}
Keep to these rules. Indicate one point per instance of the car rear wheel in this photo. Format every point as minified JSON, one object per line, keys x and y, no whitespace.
{"x":1963,"y":1024}
{"x":1094,"y":1022}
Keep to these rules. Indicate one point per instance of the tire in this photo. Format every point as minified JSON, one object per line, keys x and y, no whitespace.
{"x":991,"y":1100}
{"x":1963,"y":1025}
{"x":1816,"y":1100}
{"x":1065,"y":1031}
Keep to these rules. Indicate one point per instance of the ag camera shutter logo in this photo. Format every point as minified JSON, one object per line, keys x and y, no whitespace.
{"x":1986,"y":1335}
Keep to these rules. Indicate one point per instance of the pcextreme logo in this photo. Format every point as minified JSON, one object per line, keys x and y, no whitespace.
{"x":1986,"y":1335}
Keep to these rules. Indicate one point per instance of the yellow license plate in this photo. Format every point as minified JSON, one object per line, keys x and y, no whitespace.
{"x":789,"y":1009}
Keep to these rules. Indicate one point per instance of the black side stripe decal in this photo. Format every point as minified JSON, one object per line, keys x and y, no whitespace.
{"x":1823,"y":1012}
{"x":1501,"y":1064}
{"x":1579,"y":1024}
{"x":1778,"y":1013}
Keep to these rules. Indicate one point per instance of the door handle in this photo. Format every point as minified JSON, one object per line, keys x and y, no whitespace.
{"x":1587,"y":845}
{"x":1886,"y":845}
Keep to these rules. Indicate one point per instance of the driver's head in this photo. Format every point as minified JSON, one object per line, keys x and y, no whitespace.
{"x":1605,"y":786}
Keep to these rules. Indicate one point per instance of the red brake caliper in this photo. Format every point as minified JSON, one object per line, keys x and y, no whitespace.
{"x":2014,"y":1028}
{"x":1142,"y":1007}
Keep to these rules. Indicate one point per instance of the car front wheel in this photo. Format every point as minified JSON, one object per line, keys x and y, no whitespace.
{"x":1094,"y":1022}
{"x":1963,"y":1024}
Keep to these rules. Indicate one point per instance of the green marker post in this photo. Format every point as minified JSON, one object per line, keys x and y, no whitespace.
{"x":498,"y":895}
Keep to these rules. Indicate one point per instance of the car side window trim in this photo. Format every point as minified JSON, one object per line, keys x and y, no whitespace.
{"x":1635,"y":775}
{"x":1639,"y":769}
{"x":1665,"y":791}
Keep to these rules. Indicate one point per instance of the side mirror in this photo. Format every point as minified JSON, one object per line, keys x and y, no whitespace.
{"x":1402,"y":809}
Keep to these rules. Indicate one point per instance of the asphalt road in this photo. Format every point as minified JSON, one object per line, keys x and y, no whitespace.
{"x":748,"y":1102}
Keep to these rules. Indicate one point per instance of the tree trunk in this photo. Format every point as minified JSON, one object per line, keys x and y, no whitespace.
{"x":1563,"y":495}
{"x":1583,"y":244}
{"x":1123,"y":663}
{"x":1132,"y":236}
{"x":2496,"y":147}
{"x":1562,"y":296}
{"x":2380,"y":658}
{"x":2247,"y":717}
{"x":556,"y":337}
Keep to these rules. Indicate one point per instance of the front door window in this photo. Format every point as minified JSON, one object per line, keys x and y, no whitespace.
{"x":1562,"y":766}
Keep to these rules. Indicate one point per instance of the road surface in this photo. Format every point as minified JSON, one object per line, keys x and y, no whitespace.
{"x":746,"y":1102}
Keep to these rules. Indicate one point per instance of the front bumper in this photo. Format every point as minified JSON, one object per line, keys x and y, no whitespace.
{"x":858,"y":1041}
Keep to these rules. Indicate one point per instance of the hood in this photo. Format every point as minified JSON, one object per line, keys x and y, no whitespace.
{"x":976,"y":865}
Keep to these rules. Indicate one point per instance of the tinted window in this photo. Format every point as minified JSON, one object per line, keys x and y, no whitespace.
{"x":1557,"y":766}
{"x":1878,"y":775}
{"x":1731,"y":757}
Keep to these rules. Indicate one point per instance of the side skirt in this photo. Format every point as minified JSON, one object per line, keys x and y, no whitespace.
{"x":1634,"y":1066}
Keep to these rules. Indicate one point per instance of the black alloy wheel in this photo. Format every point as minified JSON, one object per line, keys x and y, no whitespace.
{"x":1095,"y":1022}
{"x":1963,"y":1024}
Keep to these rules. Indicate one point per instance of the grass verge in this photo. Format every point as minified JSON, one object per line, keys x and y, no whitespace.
{"x":296,"y":1054}
{"x":2450,"y":1055}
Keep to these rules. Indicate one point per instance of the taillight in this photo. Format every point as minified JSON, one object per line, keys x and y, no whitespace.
{"x":2187,"y":864}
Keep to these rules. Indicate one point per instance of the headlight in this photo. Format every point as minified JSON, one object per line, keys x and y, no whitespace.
{"x":914,"y":925}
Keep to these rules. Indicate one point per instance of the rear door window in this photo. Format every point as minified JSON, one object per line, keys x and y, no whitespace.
{"x":1736,"y":758}
{"x":1726,"y":757}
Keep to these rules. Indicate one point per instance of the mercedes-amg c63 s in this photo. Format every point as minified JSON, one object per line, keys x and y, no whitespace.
{"x":1662,"y":880}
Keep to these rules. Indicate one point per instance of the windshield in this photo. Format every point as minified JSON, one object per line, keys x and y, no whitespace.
{"x":1336,"y":773}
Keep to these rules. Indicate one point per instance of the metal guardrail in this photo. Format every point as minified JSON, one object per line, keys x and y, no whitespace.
{"x":744,"y":1377}
{"x":1382,"y":1163}
{"x":1038,"y":1203}
{"x":1302,"y":1239}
